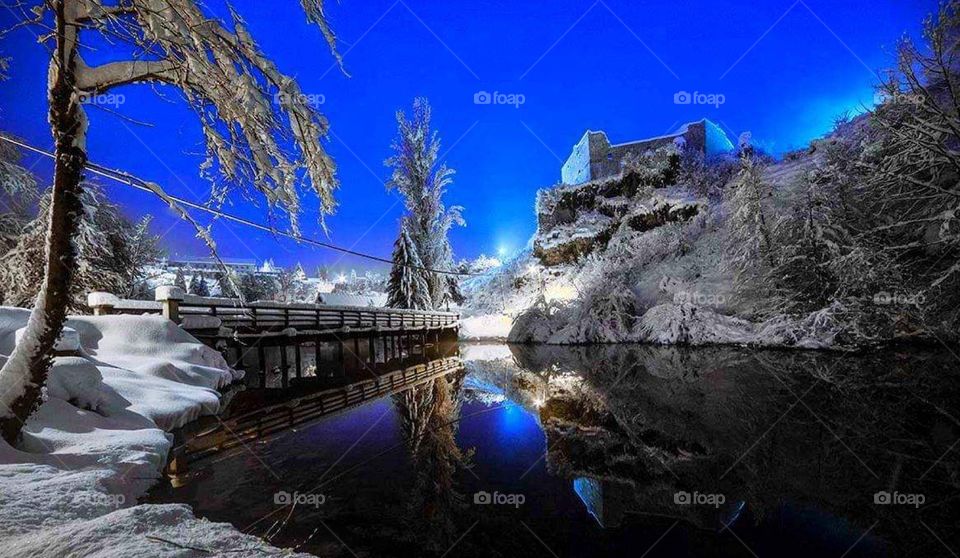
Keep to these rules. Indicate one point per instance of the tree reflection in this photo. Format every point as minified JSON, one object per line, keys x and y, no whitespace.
{"x":429,"y":416}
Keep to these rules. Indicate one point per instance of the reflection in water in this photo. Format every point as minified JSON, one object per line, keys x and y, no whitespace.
{"x":428,"y":418}
{"x":618,"y":450}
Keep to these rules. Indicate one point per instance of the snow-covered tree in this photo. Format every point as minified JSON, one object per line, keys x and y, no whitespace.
{"x":407,"y":287}
{"x":180,"y":281}
{"x":252,"y":142}
{"x":291,"y":285}
{"x":111,"y":253}
{"x":18,"y":191}
{"x":912,"y":162}
{"x":750,"y":250}
{"x":422,"y":181}
{"x":199,"y":286}
{"x":143,"y":248}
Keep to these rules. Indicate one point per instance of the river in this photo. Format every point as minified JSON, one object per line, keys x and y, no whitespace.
{"x":617,"y":451}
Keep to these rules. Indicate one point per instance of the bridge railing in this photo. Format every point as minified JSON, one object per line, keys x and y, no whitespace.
{"x":194,"y":312}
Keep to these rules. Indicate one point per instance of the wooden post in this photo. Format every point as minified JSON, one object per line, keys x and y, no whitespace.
{"x":316,"y":355}
{"x":170,"y":299}
{"x":262,"y":372}
{"x":296,"y":347}
{"x":356,"y":350}
{"x":284,"y":367}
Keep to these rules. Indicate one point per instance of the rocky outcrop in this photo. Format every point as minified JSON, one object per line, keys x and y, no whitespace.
{"x":575,"y":221}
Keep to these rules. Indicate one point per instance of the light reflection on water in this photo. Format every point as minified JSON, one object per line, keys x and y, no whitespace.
{"x":598,"y":444}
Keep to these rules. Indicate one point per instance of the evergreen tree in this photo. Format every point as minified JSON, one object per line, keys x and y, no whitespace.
{"x":422,"y":181}
{"x":407,"y":286}
{"x":200,"y":286}
{"x":111,"y":253}
{"x":180,"y":281}
{"x":750,"y":243}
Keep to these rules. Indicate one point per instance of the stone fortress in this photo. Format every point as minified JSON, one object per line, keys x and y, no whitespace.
{"x":593,"y":157}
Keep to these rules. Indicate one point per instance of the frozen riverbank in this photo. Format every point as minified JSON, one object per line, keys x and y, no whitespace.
{"x":100,"y":441}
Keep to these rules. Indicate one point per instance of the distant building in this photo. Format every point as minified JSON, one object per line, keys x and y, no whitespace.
{"x":210,"y":264}
{"x":594,"y":157}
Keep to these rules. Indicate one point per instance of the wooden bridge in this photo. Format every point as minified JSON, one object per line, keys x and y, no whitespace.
{"x":283,"y":341}
{"x":302,"y":362}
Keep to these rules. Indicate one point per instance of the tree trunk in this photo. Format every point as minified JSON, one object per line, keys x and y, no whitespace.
{"x":25,"y":373}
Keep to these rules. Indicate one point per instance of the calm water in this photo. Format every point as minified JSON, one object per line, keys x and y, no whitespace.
{"x":618,"y":451}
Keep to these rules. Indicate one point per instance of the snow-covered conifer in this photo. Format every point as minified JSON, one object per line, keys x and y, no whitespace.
{"x":407,"y":286}
{"x":422,"y":181}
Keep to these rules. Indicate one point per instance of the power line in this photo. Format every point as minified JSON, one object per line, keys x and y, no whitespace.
{"x":141,"y":184}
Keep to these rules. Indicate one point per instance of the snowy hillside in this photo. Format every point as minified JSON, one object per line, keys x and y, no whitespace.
{"x":658,"y":254}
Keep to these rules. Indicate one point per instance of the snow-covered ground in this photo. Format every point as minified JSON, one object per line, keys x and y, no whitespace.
{"x":101,"y":439}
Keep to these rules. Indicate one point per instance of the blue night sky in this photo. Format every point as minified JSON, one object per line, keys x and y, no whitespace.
{"x":785,"y":68}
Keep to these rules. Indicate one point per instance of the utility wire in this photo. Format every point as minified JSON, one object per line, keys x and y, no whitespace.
{"x":141,"y":184}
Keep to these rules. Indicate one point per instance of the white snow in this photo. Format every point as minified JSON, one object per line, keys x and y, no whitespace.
{"x":69,"y":340}
{"x":100,"y":440}
{"x":168,"y":292}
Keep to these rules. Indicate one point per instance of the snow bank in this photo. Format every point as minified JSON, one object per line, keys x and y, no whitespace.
{"x":99,"y":441}
{"x":67,"y":342}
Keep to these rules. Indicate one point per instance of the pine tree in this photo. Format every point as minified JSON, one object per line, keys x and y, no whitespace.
{"x":111,"y":254}
{"x":407,"y":287}
{"x":750,"y":243}
{"x":199,"y":285}
{"x":422,"y":181}
{"x":180,"y":281}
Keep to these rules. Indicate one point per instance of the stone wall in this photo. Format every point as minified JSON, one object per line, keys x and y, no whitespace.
{"x":594,"y":157}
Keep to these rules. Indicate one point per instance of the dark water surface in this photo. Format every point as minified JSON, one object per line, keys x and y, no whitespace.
{"x":618,"y":451}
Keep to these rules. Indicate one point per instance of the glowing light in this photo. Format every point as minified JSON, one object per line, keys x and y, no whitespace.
{"x":341,"y":278}
{"x":532,"y":268}
{"x":538,"y":402}
{"x":502,"y":251}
